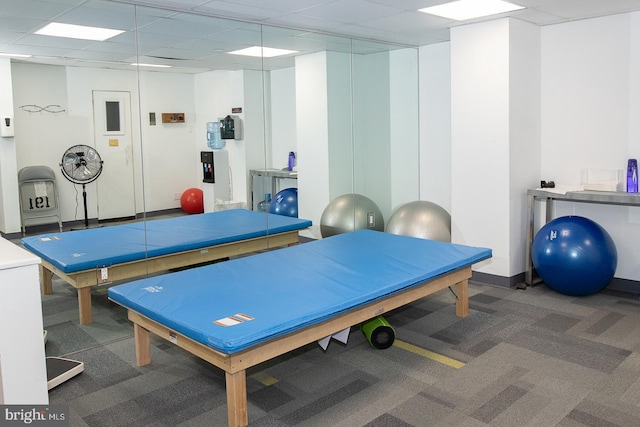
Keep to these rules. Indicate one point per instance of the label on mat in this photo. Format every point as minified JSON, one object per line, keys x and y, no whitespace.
{"x":236,"y":319}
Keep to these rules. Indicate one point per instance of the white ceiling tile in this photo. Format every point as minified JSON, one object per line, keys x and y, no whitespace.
{"x":287,"y":6}
{"x":237,"y":10}
{"x":188,"y":30}
{"x":577,"y":9}
{"x":20,"y":24}
{"x":349,"y":11}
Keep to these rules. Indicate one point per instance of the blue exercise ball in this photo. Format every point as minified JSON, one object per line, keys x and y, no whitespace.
{"x":285,"y":203}
{"x":574,"y":256}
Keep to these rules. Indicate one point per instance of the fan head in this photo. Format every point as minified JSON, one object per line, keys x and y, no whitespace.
{"x":81,"y":164}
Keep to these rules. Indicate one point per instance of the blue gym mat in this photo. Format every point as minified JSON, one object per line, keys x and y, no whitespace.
{"x":79,"y":250}
{"x":240,"y":303}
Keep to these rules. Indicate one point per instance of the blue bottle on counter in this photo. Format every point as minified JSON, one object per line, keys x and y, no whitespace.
{"x":292,"y":160}
{"x":632,"y":176}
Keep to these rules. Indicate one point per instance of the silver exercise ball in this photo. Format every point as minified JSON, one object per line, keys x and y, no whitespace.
{"x":422,"y":219}
{"x":350,"y":212}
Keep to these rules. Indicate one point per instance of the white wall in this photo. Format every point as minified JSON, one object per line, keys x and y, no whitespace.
{"x":251,"y":88}
{"x":495,"y":137}
{"x":590,"y":106}
{"x":404,"y":150}
{"x":339,"y":91}
{"x":372,"y":129}
{"x":160,"y":183}
{"x":312,"y":134}
{"x":42,"y":137}
{"x":480,"y":140}
{"x":435,"y":124}
{"x":9,"y":204}
{"x":585,"y":97}
{"x":524,"y":132}
{"x":283,"y":116}
{"x":385,"y":128}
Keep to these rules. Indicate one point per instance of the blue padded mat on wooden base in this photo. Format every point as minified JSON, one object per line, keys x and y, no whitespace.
{"x":79,"y":250}
{"x":238,"y":304}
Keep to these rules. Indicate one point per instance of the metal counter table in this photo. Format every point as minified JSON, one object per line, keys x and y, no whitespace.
{"x":601,"y":197}
{"x":274,"y":175}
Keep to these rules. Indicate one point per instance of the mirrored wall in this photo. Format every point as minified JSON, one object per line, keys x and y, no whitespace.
{"x":346,"y":108}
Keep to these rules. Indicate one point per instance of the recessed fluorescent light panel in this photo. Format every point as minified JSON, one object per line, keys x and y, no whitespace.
{"x":151,"y":65}
{"x":72,"y":31}
{"x":15,"y":55}
{"x":462,"y":10}
{"x":264,"y":52}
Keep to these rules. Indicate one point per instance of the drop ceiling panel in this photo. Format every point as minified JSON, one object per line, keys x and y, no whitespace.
{"x":35,"y":9}
{"x":236,"y":10}
{"x":198,"y":43}
{"x":287,"y":6}
{"x":348,"y":11}
{"x":20,"y":24}
{"x":95,"y":17}
{"x":590,"y":8}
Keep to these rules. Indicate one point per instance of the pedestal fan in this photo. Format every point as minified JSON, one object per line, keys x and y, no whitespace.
{"x":81,"y":164}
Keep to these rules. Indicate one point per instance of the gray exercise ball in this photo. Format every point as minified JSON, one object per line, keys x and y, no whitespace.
{"x":350,"y":212}
{"x":422,"y":219}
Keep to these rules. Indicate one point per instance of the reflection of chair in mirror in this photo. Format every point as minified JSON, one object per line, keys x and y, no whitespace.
{"x":38,"y":195}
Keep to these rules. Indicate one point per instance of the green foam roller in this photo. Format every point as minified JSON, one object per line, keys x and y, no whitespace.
{"x":378,"y":332}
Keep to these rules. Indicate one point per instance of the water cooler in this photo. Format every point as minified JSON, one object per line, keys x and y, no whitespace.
{"x":216,"y":187}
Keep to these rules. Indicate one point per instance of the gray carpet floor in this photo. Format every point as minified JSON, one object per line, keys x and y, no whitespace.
{"x":521,"y":358}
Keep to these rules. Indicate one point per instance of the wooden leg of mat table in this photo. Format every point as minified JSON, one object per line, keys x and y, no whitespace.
{"x":46,"y":282}
{"x":237,"y":399}
{"x":462,"y":304}
{"x":142,"y":345}
{"x":84,"y":304}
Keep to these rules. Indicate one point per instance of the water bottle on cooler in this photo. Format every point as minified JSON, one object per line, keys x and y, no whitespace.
{"x":214,"y":140}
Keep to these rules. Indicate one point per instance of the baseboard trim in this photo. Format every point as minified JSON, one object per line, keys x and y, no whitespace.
{"x":517,"y":281}
{"x":77,"y":224}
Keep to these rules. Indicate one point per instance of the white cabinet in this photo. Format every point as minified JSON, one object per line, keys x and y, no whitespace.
{"x":23,"y":369}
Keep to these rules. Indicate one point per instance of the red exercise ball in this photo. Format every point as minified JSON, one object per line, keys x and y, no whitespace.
{"x":192,"y":201}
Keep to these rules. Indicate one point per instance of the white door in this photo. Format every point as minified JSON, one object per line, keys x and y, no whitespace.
{"x":113,"y":141}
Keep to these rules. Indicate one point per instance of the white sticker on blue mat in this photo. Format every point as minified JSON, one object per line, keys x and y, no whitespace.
{"x":236,"y":319}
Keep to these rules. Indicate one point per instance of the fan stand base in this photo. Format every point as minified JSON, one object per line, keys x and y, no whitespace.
{"x":86,"y":215}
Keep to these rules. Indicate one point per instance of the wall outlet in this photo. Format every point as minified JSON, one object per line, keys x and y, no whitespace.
{"x":371,"y":219}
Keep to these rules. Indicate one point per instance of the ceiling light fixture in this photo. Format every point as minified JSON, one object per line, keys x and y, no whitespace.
{"x":15,"y":55}
{"x":264,"y":52}
{"x":462,"y":10}
{"x":151,"y":65}
{"x":72,"y":31}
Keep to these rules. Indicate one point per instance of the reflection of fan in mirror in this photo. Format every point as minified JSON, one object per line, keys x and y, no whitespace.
{"x":81,"y":164}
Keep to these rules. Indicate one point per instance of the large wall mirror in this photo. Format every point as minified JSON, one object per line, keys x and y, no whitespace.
{"x":347,"y":108}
